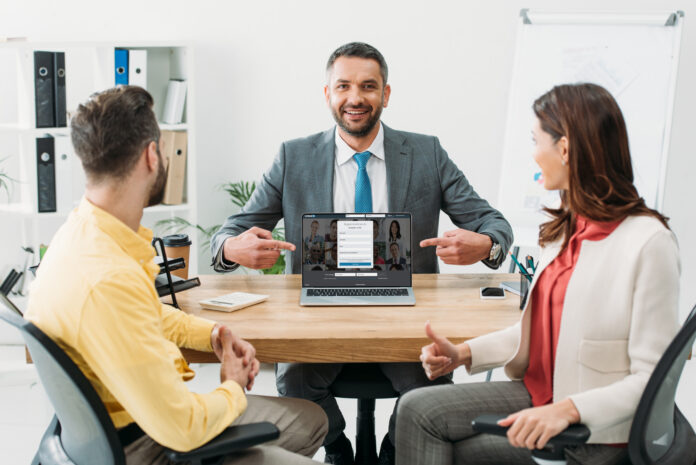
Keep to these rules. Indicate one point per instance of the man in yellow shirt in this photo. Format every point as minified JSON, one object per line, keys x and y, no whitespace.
{"x":95,"y":296}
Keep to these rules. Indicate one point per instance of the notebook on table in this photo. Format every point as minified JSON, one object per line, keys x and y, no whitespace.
{"x":356,"y":259}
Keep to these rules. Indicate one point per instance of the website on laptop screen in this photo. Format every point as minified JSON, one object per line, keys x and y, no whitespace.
{"x":356,"y":249}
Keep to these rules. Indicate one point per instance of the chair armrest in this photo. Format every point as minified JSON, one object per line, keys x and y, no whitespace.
{"x":232,"y":439}
{"x":574,"y":434}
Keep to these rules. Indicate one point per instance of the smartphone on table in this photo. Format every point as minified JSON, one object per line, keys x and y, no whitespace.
{"x":492,"y":293}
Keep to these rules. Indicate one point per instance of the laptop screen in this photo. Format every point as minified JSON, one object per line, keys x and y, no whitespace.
{"x":356,"y":250}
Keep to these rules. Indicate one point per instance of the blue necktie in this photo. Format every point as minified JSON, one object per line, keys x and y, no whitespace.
{"x":363,"y":190}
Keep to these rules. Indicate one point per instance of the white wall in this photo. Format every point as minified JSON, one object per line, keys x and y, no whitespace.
{"x":260,"y":73}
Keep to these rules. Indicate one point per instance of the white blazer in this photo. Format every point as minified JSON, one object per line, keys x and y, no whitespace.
{"x":619,"y":315}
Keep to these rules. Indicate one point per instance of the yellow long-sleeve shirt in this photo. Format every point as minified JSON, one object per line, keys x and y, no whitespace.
{"x":95,"y":296}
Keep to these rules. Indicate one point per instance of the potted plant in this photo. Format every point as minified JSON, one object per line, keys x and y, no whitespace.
{"x":239,"y":193}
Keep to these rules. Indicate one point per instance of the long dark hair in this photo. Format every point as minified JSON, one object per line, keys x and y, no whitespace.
{"x":398,"y":230}
{"x":601,"y":176}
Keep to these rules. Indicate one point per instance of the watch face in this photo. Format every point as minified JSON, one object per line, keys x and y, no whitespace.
{"x":495,"y":251}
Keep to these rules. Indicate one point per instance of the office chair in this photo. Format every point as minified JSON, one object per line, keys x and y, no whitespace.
{"x":365,"y":382}
{"x":81,"y":432}
{"x":659,"y":433}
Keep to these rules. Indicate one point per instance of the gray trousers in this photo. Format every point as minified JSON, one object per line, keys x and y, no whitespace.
{"x":311,"y":381}
{"x":434,"y":426}
{"x":302,"y":428}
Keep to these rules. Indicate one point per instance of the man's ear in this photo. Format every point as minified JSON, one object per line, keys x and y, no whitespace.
{"x":152,"y":158}
{"x":385,"y":98}
{"x":327,"y":94}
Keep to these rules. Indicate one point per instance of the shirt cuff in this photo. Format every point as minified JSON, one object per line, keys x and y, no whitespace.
{"x":494,"y":264}
{"x":200,"y":330}
{"x":219,"y":262}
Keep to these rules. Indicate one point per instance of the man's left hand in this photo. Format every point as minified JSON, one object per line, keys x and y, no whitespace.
{"x":242,"y":349}
{"x":460,"y":247}
{"x":533,"y":427}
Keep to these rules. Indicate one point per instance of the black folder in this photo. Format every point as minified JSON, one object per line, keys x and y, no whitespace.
{"x":44,"y":87}
{"x":46,"y":174}
{"x":59,"y":96}
{"x":178,"y":284}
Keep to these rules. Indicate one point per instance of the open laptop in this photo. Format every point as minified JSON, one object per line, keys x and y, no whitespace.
{"x":356,"y":259}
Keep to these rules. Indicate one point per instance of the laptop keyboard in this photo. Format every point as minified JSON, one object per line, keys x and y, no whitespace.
{"x":356,"y":292}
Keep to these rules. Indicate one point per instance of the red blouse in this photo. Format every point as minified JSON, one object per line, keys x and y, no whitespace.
{"x":547,"y":308}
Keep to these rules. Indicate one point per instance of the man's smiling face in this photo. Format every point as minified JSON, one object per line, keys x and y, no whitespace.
{"x":356,"y":94}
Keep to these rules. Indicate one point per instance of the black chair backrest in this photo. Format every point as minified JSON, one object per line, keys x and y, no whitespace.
{"x":88,"y":435}
{"x":657,"y":421}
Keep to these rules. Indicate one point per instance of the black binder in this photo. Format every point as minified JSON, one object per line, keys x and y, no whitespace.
{"x":44,"y":88}
{"x":59,"y":79}
{"x":46,"y":174}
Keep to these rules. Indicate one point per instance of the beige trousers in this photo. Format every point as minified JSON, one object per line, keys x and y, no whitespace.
{"x":302,"y":426}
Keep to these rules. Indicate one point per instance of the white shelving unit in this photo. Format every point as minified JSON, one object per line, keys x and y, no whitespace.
{"x":89,"y":68}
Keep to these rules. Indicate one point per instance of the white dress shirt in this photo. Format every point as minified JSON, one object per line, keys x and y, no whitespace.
{"x":346,"y":171}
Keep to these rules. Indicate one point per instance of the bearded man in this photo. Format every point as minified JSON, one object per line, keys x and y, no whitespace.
{"x":94,"y":295}
{"x":360,"y":166}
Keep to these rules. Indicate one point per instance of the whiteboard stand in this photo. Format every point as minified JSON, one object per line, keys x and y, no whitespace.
{"x":635,"y":56}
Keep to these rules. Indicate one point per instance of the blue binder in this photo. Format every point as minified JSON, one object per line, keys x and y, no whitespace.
{"x":120,"y":67}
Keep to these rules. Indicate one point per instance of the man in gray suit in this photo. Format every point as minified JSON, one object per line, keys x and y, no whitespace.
{"x":361,"y":165}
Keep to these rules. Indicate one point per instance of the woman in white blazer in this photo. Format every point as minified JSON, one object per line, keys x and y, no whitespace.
{"x":602,"y":309}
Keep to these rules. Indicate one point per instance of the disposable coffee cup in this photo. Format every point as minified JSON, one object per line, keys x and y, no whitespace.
{"x":175,"y":246}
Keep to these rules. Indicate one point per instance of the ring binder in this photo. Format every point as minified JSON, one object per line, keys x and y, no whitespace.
{"x":46,"y":174}
{"x":44,"y":89}
{"x":120,"y":67}
{"x":137,"y":68}
{"x":61,"y":114}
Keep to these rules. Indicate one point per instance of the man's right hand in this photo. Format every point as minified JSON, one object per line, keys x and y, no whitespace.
{"x":254,"y":248}
{"x":233,"y":365}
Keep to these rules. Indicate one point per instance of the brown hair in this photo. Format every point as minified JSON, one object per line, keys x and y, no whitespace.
{"x":601,"y":176}
{"x":360,"y":50}
{"x":110,"y":131}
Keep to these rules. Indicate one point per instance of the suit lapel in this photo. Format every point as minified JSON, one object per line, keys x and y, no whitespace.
{"x":323,"y":169}
{"x":398,"y":158}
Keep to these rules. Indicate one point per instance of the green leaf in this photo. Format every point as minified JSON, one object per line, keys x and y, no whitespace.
{"x":240,"y":192}
{"x":279,"y":234}
{"x":6,"y":181}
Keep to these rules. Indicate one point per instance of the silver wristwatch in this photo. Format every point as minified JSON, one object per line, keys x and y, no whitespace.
{"x":495,"y":251}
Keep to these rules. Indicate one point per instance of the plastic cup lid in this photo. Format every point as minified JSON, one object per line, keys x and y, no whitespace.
{"x":176,"y":240}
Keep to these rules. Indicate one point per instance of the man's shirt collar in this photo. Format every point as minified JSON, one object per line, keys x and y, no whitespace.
{"x":344,"y":153}
{"x":136,"y":245}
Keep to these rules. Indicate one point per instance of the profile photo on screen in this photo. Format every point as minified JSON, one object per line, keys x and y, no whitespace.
{"x":316,"y":254}
{"x":314,"y":236}
{"x":400,"y":236}
{"x":395,"y":257}
{"x":332,"y":235}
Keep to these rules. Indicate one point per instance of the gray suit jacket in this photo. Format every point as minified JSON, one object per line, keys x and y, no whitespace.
{"x":421,"y":179}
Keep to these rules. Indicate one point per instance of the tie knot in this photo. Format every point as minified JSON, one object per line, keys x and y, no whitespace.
{"x":361,"y":159}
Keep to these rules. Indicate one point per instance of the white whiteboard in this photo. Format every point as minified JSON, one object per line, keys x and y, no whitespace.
{"x":634,"y":56}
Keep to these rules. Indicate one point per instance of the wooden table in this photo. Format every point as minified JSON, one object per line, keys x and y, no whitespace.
{"x":283,"y":331}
